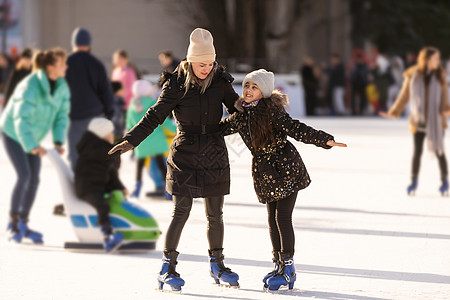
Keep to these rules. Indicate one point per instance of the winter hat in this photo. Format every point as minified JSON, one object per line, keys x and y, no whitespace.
{"x":81,"y":37}
{"x":263,"y":79}
{"x":141,"y":88}
{"x":201,"y":47}
{"x":101,"y":127}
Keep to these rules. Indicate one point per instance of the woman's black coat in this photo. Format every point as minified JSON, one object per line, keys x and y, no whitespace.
{"x":277,"y":169}
{"x":95,"y":170}
{"x":198,"y":164}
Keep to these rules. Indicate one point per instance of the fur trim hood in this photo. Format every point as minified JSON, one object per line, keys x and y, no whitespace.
{"x":277,"y":98}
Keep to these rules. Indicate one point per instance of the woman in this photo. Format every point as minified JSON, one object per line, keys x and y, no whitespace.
{"x":197,"y":165}
{"x":22,"y":70}
{"x":124,"y":73}
{"x":40,"y":103}
{"x":426,"y":87}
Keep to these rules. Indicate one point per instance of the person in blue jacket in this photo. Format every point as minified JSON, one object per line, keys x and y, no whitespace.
{"x":39,"y":104}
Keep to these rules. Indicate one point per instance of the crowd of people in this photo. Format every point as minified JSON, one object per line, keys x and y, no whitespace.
{"x":104,"y":115}
{"x":366,"y":84}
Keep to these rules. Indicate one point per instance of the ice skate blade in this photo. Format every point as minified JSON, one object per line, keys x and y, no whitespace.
{"x":168,"y":291}
{"x":282,"y":290}
{"x":226,"y":285}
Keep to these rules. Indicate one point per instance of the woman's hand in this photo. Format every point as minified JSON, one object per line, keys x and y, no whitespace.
{"x":385,"y":115}
{"x":332,"y":143}
{"x":39,"y":151}
{"x":59,"y":148}
{"x":125,"y":192}
{"x":447,"y":113}
{"x":122,"y":147}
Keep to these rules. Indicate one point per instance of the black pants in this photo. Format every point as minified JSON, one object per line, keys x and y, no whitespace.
{"x":419,"y":138}
{"x":280,"y":224}
{"x":160,"y":161}
{"x":182,"y":208}
{"x":101,"y":205}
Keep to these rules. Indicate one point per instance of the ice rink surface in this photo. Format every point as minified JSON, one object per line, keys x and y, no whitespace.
{"x":358,"y":235}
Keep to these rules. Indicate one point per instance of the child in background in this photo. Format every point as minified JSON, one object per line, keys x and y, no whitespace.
{"x":277,"y":168}
{"x":155,"y":145}
{"x":118,"y":117}
{"x":96,"y":175}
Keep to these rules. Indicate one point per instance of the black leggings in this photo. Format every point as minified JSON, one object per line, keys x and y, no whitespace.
{"x":160,"y":161}
{"x":419,"y":138}
{"x":182,"y":208}
{"x":101,"y":205}
{"x":280,"y":224}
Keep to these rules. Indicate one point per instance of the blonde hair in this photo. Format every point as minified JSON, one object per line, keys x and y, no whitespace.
{"x":185,"y":68}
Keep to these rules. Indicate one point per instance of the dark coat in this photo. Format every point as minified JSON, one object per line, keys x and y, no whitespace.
{"x":197,"y":165}
{"x":15,"y":77}
{"x":277,"y":169}
{"x":90,"y":89}
{"x":95,"y":170}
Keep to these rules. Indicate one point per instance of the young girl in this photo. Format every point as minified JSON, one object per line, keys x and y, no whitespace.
{"x":277,"y":168}
{"x":155,"y":145}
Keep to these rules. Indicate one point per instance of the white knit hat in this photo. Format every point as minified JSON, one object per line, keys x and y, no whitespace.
{"x":101,"y":127}
{"x":201,"y":47}
{"x":263,"y":79}
{"x":141,"y":88}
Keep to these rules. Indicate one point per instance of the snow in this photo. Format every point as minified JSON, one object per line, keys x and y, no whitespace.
{"x":358,"y":235}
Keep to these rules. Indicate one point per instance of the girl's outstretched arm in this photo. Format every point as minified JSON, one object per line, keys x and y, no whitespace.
{"x":302,"y":132}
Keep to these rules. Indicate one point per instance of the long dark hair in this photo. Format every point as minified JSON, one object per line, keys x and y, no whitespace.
{"x":422,"y":62}
{"x":261,"y":125}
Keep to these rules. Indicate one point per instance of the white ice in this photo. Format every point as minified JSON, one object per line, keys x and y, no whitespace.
{"x":358,"y":235}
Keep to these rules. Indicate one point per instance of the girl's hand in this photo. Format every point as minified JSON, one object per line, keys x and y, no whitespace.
{"x":332,"y":143}
{"x":385,"y":115}
{"x":39,"y":151}
{"x":125,"y":192}
{"x":59,"y":148}
{"x":122,"y":147}
{"x":447,"y":113}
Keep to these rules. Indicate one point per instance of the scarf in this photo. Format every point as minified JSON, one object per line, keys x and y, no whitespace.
{"x":254,"y":103}
{"x":434,"y":129}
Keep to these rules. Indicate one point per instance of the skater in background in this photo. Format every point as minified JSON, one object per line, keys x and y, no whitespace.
{"x":168,"y":61}
{"x":336,"y":86}
{"x":310,"y":85}
{"x":155,"y":145}
{"x":91,"y":94}
{"x":277,"y":168}
{"x":118,"y":117}
{"x":198,"y":164}
{"x":40,"y":103}
{"x":96,"y":175}
{"x":124,"y":73}
{"x":425,"y":86}
{"x":22,"y":70}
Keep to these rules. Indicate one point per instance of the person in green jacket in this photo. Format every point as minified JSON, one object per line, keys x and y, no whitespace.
{"x":155,"y":145}
{"x":40,"y":103}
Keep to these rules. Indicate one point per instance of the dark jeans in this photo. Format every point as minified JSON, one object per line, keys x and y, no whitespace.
{"x":419,"y":138}
{"x":101,"y":205}
{"x":182,"y":208}
{"x":280,"y":224}
{"x":27,"y":167}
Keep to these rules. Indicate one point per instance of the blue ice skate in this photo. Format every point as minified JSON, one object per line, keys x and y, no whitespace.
{"x":168,"y":275}
{"x":411,"y":189}
{"x":444,"y":187}
{"x":285,"y":277}
{"x":25,"y":232}
{"x":111,"y":241}
{"x":276,"y":269}
{"x":137,"y":190}
{"x":13,"y":233}
{"x":219,"y":271}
